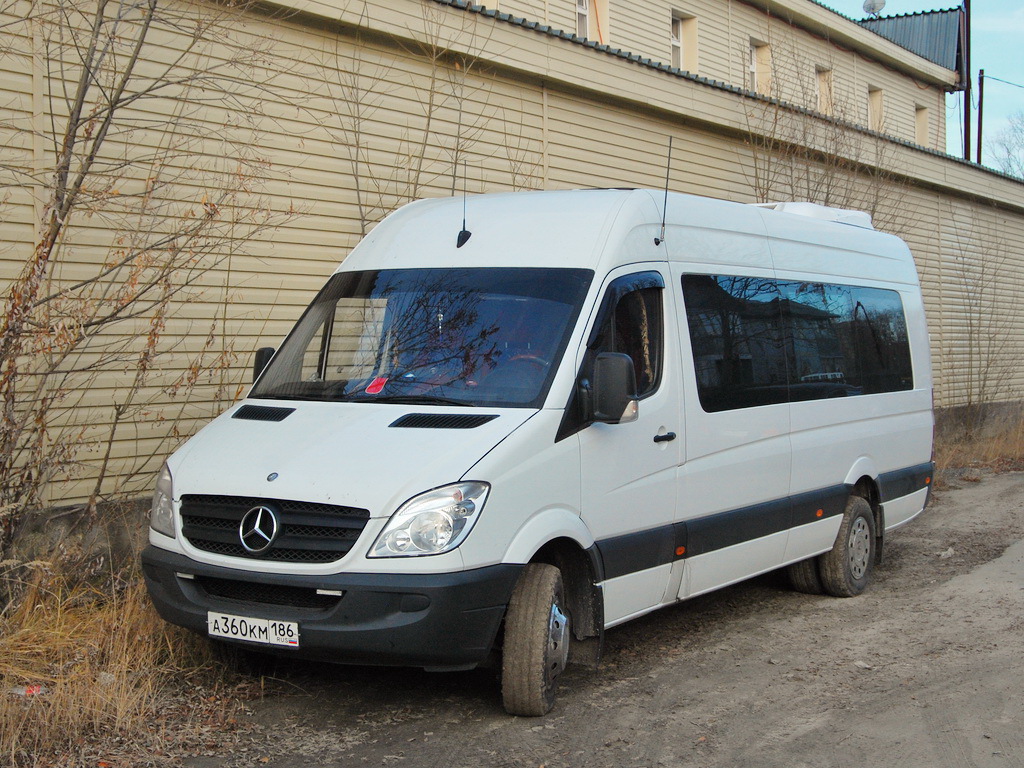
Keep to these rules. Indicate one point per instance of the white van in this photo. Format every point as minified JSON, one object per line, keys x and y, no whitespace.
{"x":510,"y":434}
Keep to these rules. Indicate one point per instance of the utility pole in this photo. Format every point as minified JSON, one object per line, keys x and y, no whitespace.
{"x":967,"y":79}
{"x":981,"y":108}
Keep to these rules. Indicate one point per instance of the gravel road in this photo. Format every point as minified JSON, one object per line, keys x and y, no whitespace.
{"x":926,"y":668}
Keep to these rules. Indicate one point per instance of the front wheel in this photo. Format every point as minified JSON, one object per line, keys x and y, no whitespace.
{"x":536,"y":647}
{"x":846,"y":568}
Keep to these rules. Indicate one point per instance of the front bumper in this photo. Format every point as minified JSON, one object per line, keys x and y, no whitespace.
{"x":435,"y":621}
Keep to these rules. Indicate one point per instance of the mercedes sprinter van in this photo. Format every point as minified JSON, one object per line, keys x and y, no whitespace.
{"x":500,"y":438}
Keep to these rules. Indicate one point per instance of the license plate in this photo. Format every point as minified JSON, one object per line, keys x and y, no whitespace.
{"x":265,"y":631}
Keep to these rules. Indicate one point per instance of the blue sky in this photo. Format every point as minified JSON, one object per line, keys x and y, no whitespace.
{"x":997,"y":31}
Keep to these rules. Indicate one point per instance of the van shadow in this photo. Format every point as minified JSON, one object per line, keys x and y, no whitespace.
{"x":318,"y":692}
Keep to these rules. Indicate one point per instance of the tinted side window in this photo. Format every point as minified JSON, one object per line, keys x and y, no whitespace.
{"x":758,"y":341}
{"x":630,"y":320}
{"x":819,"y":358}
{"x":633,"y":325}
{"x":738,"y":341}
{"x":845,"y":340}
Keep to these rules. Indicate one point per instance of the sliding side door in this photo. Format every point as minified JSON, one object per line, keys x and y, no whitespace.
{"x":734,"y":486}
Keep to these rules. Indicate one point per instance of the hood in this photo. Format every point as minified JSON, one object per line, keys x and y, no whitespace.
{"x":351,"y":454}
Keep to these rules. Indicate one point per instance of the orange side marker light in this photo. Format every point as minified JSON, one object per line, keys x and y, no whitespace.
{"x":680,"y":551}
{"x":819,"y":513}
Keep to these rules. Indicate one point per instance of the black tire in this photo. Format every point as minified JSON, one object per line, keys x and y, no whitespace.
{"x":536,"y":647}
{"x":846,"y":568}
{"x":805,"y":578}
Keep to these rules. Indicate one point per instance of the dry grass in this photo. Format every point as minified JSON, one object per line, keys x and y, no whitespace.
{"x":999,"y":446}
{"x":113,"y":678}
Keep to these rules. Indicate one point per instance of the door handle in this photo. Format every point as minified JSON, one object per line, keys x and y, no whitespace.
{"x":667,"y":437}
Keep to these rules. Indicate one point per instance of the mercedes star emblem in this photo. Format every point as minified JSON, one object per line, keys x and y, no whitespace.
{"x":258,"y":530}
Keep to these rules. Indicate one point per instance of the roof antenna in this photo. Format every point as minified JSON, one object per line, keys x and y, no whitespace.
{"x":465,"y":234}
{"x":664,"y":206}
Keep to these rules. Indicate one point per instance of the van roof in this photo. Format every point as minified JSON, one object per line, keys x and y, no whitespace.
{"x":822,"y":212}
{"x":571,"y":228}
{"x":558,"y":228}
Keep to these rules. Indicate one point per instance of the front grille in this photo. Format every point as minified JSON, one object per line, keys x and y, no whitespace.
{"x":269,"y":594}
{"x":309,"y":532}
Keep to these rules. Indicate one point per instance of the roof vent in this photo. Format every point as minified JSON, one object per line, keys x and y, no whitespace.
{"x":822,"y":212}
{"x":441,"y":420}
{"x":262,"y":413}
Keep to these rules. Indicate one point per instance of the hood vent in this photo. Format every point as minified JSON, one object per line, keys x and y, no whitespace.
{"x":262,"y":413}
{"x":442,"y":420}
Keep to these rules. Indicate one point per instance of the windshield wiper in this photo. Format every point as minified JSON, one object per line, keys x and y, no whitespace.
{"x":287,"y":397}
{"x":413,"y":400}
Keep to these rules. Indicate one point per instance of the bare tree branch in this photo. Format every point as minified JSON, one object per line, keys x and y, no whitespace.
{"x":174,"y":211}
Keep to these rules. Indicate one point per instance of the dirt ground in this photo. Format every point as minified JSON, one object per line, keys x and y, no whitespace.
{"x":924,"y":669}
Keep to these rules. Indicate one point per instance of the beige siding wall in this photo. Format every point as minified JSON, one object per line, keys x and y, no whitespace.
{"x":980,"y":260}
{"x":642,"y":28}
{"x":345,"y":127}
{"x":559,"y":14}
{"x":17,"y":86}
{"x":720,"y":54}
{"x":726,"y":28}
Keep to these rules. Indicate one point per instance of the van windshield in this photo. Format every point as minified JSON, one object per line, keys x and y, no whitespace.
{"x":430,"y":336}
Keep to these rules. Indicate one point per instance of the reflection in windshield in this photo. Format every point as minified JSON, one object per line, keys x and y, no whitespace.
{"x":444,"y":336}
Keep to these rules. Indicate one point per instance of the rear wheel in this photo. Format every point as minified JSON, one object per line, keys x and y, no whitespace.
{"x":805,"y":578}
{"x":846,"y":568}
{"x":536,"y":647}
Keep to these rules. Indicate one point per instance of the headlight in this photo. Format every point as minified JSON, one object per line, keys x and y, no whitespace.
{"x":161,"y":516}
{"x":433,"y":522}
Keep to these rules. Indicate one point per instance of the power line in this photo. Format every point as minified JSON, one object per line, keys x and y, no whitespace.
{"x":1007,"y":82}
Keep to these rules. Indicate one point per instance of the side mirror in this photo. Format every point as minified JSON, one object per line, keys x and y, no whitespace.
{"x":263,"y":355}
{"x":614,"y":388}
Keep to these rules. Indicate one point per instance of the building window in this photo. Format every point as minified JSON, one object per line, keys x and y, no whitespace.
{"x":876,"y":110}
{"x":921,"y":132}
{"x":826,"y":103}
{"x":677,"y":42}
{"x":582,"y":18}
{"x":592,"y":20}
{"x":684,"y":42}
{"x":759,"y":67}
